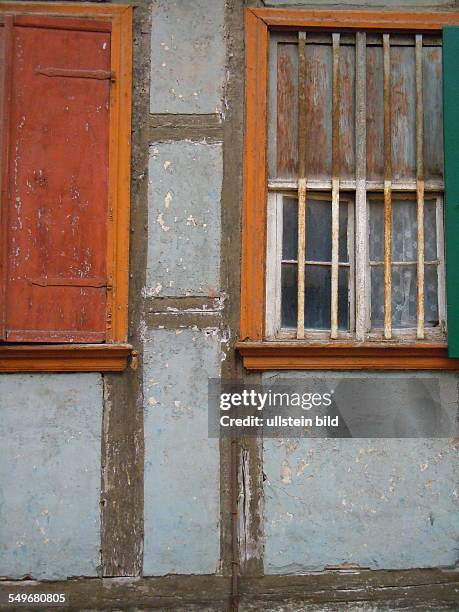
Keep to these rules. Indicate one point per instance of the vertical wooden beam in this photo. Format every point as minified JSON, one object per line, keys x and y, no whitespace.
{"x":122,"y":445}
{"x":387,"y":192}
{"x":420,"y":187}
{"x":5,"y":160}
{"x":301,"y":180}
{"x":361,"y":243}
{"x":335,"y":187}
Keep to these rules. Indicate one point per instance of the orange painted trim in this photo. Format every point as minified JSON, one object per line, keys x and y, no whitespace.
{"x":54,"y":22}
{"x":65,"y":9}
{"x":64,"y":358}
{"x":258,"y":22}
{"x":345,"y":356}
{"x":119,"y":21}
{"x":350,"y":19}
{"x":254,"y":209}
{"x":119,"y":178}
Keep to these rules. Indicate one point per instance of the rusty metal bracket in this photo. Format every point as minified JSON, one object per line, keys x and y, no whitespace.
{"x":68,"y":282}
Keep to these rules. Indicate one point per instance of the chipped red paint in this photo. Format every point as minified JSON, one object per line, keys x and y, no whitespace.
{"x":58,"y":187}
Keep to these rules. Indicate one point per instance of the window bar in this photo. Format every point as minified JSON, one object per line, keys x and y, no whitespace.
{"x":420,"y":185}
{"x":387,"y":193}
{"x":361,"y":244}
{"x":301,"y":181}
{"x":335,"y":189}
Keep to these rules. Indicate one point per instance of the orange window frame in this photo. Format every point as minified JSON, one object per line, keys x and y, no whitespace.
{"x":257,"y":353}
{"x":111,"y":356}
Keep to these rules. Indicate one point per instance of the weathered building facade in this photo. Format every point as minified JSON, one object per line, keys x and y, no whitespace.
{"x":112,"y":491}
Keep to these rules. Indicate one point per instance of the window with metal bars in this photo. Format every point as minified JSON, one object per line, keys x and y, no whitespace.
{"x":355,"y":187}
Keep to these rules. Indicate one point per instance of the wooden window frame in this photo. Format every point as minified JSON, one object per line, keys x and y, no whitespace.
{"x":113,"y":354}
{"x":257,"y":353}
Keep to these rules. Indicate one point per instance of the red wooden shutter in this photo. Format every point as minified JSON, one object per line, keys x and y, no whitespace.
{"x":55,"y":204}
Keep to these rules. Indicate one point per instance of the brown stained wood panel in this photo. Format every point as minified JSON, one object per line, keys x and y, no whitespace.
{"x":403,"y":113}
{"x":375,"y":114}
{"x":287,"y":110}
{"x":319,"y":111}
{"x":347,"y":112}
{"x":433,"y":112}
{"x":58,"y":179}
{"x":318,"y":104}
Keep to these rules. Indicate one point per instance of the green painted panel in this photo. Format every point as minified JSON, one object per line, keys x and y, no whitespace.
{"x":451,"y":140}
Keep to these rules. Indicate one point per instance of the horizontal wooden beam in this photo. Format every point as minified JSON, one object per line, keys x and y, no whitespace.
{"x":64,"y":357}
{"x":391,"y":21}
{"x":396,"y":589}
{"x":286,"y":355}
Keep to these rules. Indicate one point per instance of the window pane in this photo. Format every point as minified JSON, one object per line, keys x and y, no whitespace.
{"x":290,"y":228}
{"x":289,"y":304}
{"x":404,"y":296}
{"x":317,"y":311}
{"x":377,"y":296}
{"x":317,"y":300}
{"x":318,"y":230}
{"x":376,"y":231}
{"x":317,"y":297}
{"x":404,"y":230}
{"x":431,"y":296}
{"x":343,"y":298}
{"x":430,"y":230}
{"x":343,"y":221}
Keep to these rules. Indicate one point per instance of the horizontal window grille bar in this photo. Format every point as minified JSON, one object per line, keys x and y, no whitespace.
{"x":434,"y":262}
{"x":316,"y":263}
{"x":350,"y":185}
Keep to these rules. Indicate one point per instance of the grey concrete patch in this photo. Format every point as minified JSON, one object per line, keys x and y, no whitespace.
{"x":388,"y":504}
{"x":50,"y":473}
{"x":181,"y":463}
{"x":185,"y":181}
{"x":188,"y":56}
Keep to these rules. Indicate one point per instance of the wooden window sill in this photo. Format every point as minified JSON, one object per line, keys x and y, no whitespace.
{"x":291,"y":355}
{"x":64,"y":357}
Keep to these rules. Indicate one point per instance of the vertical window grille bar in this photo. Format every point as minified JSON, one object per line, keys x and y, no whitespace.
{"x":335,"y":188}
{"x":301,"y":180}
{"x":420,"y":186}
{"x":361,"y":243}
{"x":387,"y":192}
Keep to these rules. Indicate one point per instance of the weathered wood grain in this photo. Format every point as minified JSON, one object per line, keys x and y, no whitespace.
{"x":287,"y":110}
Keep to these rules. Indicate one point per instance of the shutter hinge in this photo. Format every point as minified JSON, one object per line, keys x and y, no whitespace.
{"x":99,"y":75}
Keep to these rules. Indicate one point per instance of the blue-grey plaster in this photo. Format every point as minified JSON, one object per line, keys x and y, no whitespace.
{"x":185,"y":181}
{"x":382,"y":503}
{"x":181,"y":463}
{"x":50,"y":429}
{"x":187,"y":56}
